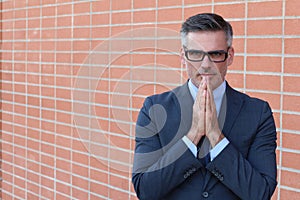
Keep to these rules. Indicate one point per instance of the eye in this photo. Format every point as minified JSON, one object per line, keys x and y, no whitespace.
{"x":195,"y":52}
{"x":216,"y":53}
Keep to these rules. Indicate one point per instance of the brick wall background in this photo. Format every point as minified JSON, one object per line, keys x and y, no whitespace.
{"x":74,"y":74}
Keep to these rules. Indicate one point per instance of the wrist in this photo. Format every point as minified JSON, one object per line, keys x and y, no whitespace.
{"x":194,"y":137}
{"x":216,"y":139}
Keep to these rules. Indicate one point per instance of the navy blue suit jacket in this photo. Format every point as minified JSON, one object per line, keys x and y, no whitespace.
{"x":164,"y":168}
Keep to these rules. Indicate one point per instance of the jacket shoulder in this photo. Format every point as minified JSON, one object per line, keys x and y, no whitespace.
{"x":245,"y":97}
{"x":165,"y":97}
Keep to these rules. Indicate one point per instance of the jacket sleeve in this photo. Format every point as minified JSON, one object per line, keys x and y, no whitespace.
{"x":253,"y":176}
{"x":158,"y":169}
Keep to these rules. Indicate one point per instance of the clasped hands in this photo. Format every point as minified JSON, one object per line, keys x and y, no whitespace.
{"x":205,"y":120}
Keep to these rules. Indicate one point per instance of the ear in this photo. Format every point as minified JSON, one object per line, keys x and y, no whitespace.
{"x":182,"y":56}
{"x":230,"y":56}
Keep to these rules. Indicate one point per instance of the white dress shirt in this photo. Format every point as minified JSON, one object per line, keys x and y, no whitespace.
{"x":218,"y":94}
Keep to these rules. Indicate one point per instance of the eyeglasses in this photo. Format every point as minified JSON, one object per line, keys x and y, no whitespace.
{"x":217,"y":56}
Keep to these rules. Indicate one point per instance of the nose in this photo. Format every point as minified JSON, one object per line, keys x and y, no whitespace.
{"x":205,"y":63}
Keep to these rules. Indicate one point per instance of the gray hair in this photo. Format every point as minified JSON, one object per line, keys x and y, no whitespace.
{"x":206,"y":22}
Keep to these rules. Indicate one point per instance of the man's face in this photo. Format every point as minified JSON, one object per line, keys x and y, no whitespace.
{"x":207,"y":41}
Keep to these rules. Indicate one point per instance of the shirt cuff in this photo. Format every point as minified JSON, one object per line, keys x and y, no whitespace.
{"x":192,"y":147}
{"x":218,"y":148}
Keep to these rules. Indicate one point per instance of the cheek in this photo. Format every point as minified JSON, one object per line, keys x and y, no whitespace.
{"x":191,"y":70}
{"x":222,"y":69}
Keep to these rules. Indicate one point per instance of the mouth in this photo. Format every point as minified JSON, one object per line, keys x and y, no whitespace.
{"x":206,"y":74}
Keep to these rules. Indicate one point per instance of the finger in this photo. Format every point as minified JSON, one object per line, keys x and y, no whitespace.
{"x":204,"y":110}
{"x":210,"y":99}
{"x":200,"y":98}
{"x":201,"y":88}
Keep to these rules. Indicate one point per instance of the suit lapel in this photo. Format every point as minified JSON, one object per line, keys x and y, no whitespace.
{"x":234,"y":105}
{"x":184,"y":104}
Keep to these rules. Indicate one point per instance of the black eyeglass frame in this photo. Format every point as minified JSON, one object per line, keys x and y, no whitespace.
{"x":186,"y":51}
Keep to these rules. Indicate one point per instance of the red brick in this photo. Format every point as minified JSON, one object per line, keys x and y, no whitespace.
{"x":82,"y":20}
{"x":144,"y":4}
{"x":291,"y":65}
{"x":19,"y":181}
{"x":263,"y":46}
{"x":48,"y":11}
{"x":263,"y":82}
{"x":291,"y":160}
{"x":291,"y":103}
{"x":144,"y":16}
{"x":79,"y":194}
{"x":170,"y":14}
{"x":121,"y":5}
{"x":80,"y":183}
{"x":47,"y":149}
{"x":100,"y":32}
{"x":187,"y":2}
{"x":142,"y":59}
{"x":290,"y":179}
{"x":115,"y":30}
{"x":235,"y":80}
{"x":63,"y":141}
{"x":79,"y":170}
{"x":264,"y":64}
{"x":64,"y":9}
{"x":20,"y":24}
{"x":290,"y":121}
{"x":33,"y":191}
{"x":291,"y":8}
{"x":100,"y":189}
{"x":98,"y":6}
{"x":290,"y":47}
{"x":99,"y":176}
{"x":265,"y":9}
{"x":6,"y":5}
{"x":19,"y":192}
{"x":118,"y":195}
{"x":289,"y":194}
{"x":227,"y":11}
{"x":82,"y":7}
{"x":168,"y":76}
{"x":291,"y":141}
{"x":291,"y":84}
{"x":64,"y":21}
{"x":80,"y":158}
{"x":289,"y":27}
{"x":63,"y":188}
{"x":258,"y":27}
{"x":165,"y":3}
{"x":121,"y":18}
{"x":120,"y":142}
{"x":20,"y":13}
{"x":100,"y":19}
{"x":81,"y":32}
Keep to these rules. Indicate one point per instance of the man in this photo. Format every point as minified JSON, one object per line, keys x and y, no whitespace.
{"x":205,"y":140}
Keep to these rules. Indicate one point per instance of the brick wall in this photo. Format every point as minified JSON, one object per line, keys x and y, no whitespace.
{"x":74,"y":74}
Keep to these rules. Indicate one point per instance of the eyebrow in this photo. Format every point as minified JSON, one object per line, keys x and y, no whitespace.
{"x":207,"y":51}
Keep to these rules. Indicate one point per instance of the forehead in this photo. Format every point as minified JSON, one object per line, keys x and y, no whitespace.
{"x":206,"y":40}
